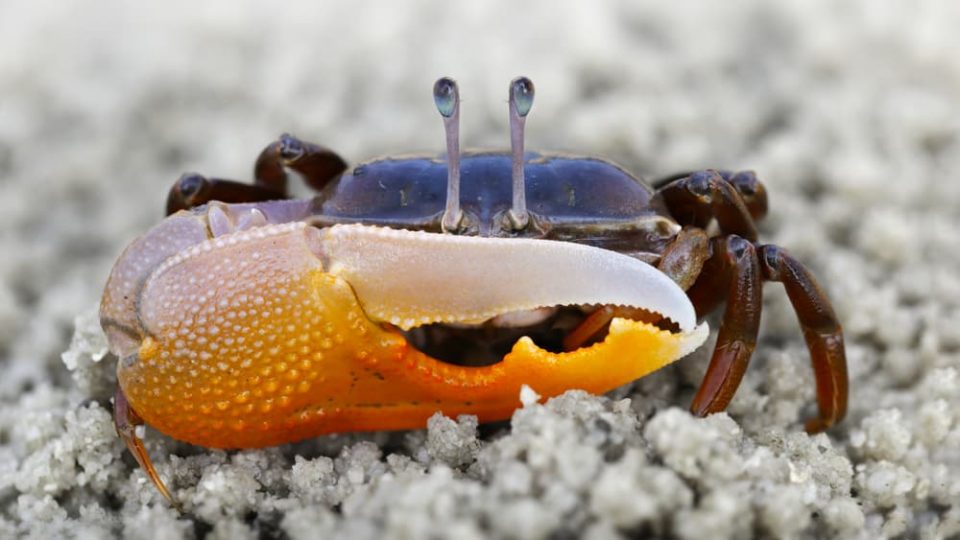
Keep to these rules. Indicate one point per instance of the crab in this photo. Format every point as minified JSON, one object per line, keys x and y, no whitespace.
{"x":249,"y":319}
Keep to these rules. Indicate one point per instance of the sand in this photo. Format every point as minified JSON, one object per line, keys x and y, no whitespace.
{"x":849,"y":111}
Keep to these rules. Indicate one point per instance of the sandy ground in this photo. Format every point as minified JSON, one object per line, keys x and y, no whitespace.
{"x":849,"y":111}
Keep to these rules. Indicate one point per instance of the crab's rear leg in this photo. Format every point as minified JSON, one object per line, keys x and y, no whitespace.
{"x":821,"y":330}
{"x":126,"y":421}
{"x":316,"y":164}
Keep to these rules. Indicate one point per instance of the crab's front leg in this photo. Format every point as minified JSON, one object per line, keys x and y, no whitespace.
{"x":316,"y":164}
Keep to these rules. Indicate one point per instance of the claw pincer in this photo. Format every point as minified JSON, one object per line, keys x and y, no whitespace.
{"x":285,"y":331}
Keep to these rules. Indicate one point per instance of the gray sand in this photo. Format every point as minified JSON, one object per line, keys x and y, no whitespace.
{"x":850,"y":111}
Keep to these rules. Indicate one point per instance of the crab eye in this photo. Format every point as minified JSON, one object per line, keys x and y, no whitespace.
{"x":521,"y":95}
{"x":446,"y":96}
{"x":521,"y":101}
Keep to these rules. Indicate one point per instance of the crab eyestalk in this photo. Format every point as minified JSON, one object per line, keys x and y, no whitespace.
{"x":447,"y":97}
{"x":521,"y":101}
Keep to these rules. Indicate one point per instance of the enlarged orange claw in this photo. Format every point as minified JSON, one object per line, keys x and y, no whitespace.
{"x":256,"y":338}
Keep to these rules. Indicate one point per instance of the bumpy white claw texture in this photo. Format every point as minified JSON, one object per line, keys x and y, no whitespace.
{"x":414,"y":278}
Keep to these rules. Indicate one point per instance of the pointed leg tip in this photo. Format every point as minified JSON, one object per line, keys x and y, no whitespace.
{"x":815,"y":425}
{"x":126,"y":421}
{"x":700,"y":410}
{"x":820,"y":424}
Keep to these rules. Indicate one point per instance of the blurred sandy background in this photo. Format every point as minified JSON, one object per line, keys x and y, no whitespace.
{"x":848,"y":110}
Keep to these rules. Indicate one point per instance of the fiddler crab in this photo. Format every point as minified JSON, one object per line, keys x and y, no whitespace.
{"x":412,"y":285}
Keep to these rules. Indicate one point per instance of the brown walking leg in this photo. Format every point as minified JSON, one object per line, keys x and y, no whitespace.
{"x":316,"y":164}
{"x":821,"y":331}
{"x":733,"y":265}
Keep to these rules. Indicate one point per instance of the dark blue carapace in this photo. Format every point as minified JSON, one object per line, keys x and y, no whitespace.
{"x":563,"y":193}
{"x":516,"y":193}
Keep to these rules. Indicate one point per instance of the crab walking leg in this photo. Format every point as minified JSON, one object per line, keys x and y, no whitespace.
{"x":192,"y":190}
{"x":316,"y":164}
{"x":735,"y":259}
{"x":703,"y":195}
{"x":821,"y":330}
{"x":126,"y":421}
